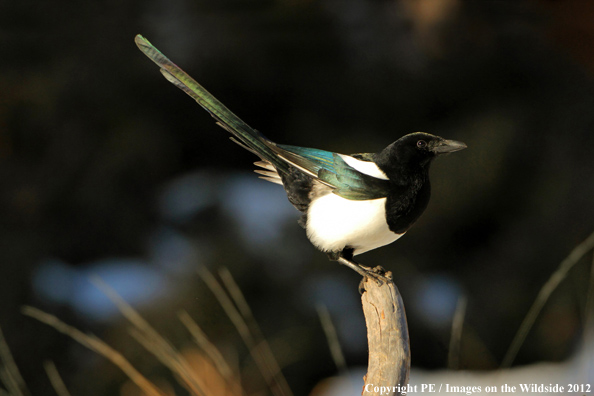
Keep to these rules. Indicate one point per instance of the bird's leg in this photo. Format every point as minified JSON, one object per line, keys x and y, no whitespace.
{"x":361,"y":270}
{"x":345,"y":257}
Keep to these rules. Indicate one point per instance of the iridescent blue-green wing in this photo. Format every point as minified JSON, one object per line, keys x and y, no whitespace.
{"x":352,"y":184}
{"x":310,"y":159}
{"x":331,"y":169}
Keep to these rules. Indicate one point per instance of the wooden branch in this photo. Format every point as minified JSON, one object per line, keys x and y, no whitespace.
{"x":387,"y":335}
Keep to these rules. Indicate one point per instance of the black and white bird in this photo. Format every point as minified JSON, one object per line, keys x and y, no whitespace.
{"x":350,"y":203}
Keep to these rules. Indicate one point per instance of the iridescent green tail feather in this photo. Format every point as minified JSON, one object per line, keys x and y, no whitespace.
{"x":246,"y":135}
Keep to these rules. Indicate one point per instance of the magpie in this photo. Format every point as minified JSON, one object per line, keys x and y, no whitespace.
{"x":350,"y":204}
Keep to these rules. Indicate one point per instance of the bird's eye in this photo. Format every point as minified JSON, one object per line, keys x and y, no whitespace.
{"x":421,"y":144}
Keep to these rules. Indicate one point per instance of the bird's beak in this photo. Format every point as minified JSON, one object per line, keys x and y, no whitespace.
{"x":448,"y":146}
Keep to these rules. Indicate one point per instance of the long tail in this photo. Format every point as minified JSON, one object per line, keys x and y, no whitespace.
{"x":246,"y":136}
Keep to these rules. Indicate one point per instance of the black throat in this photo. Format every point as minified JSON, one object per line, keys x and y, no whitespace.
{"x":409,"y":195}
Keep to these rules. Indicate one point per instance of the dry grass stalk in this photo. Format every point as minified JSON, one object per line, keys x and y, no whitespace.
{"x":589,"y":327}
{"x":98,"y":346}
{"x":456,"y":336}
{"x":211,"y":352}
{"x":268,"y":357}
{"x":9,"y":372}
{"x":332,"y":339}
{"x":258,"y":347}
{"x":153,"y":342}
{"x":55,"y":379}
{"x":216,"y":384}
{"x":545,"y":292}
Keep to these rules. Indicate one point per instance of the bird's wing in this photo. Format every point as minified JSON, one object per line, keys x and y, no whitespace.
{"x":332,"y":170}
{"x":308,"y":160}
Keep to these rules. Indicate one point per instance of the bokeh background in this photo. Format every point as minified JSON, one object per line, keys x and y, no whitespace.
{"x":107,"y":169}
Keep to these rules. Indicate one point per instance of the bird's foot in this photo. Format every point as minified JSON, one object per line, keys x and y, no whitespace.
{"x":378,"y":274}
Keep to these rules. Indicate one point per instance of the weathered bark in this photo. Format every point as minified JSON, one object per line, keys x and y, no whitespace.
{"x":387,"y":335}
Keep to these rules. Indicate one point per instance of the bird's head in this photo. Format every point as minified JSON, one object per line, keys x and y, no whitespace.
{"x":417,"y":149}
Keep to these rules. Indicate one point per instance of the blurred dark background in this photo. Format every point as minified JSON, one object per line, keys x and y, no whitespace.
{"x":107,"y":169}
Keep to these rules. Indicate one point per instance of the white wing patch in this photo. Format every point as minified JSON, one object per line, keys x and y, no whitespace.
{"x":367,"y":167}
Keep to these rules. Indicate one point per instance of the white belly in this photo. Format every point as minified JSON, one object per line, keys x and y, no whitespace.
{"x":334,"y":223}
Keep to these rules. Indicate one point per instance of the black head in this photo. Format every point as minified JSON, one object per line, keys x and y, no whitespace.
{"x":416,"y":150}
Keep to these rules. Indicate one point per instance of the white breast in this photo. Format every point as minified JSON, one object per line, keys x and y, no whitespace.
{"x":334,"y":223}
